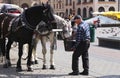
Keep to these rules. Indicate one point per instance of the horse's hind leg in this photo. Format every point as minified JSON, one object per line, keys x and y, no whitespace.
{"x":34,"y":56}
{"x":44,"y":50}
{"x":34,"y":53}
{"x":2,"y":46}
{"x":7,"y":61}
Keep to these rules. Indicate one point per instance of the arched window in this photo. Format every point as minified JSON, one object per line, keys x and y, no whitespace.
{"x":90,"y":12}
{"x":79,"y":11}
{"x":111,"y":9}
{"x":66,"y":11}
{"x":70,"y":11}
{"x":101,"y":9}
{"x":84,"y":12}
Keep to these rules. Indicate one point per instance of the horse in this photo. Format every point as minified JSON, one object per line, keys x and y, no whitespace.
{"x":21,"y":29}
{"x":52,"y":38}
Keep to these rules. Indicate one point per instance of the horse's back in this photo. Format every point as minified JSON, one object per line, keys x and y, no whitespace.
{"x":5,"y":22}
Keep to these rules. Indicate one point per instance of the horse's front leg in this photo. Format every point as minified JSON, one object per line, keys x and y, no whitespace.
{"x":29,"y":57}
{"x":52,"y":59}
{"x":7,"y":54}
{"x":44,"y":51}
{"x":53,"y":47}
{"x":19,"y":68}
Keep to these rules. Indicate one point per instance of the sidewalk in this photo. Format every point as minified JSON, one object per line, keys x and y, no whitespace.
{"x":104,"y":63}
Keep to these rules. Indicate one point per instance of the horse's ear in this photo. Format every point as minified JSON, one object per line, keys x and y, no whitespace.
{"x":43,"y":4}
{"x":47,"y":3}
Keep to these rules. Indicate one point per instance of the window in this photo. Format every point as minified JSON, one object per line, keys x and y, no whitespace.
{"x":101,"y":9}
{"x":101,"y":0}
{"x":70,"y":2}
{"x":79,"y":1}
{"x":66,"y":2}
{"x":112,"y":0}
{"x":91,"y":1}
{"x":111,"y":9}
{"x":84,"y":12}
{"x":85,"y":1}
{"x":79,"y":11}
{"x":70,"y":11}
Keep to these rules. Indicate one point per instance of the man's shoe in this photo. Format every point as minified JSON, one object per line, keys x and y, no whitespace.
{"x":84,"y":73}
{"x":74,"y":73}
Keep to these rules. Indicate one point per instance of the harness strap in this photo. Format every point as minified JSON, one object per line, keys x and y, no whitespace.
{"x":25,"y":22}
{"x":14,"y":24}
{"x":2,"y":26}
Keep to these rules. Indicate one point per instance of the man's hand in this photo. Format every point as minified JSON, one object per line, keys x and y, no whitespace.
{"x":88,"y":41}
{"x":73,"y":49}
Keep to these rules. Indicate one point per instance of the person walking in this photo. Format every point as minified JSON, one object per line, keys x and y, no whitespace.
{"x":81,"y":47}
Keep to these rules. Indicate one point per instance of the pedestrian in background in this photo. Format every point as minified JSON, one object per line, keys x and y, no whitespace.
{"x":81,"y":47}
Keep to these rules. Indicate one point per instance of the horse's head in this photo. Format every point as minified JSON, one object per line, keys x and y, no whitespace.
{"x":67,"y":30}
{"x":38,"y":15}
{"x":45,"y":26}
{"x":64,"y":25}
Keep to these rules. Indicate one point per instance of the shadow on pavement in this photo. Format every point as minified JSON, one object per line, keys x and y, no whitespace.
{"x":110,"y":76}
{"x":11,"y":73}
{"x":105,"y":47}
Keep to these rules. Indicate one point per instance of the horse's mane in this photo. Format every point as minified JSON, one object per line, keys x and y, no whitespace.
{"x":58,"y":18}
{"x":34,"y":14}
{"x":61,"y":21}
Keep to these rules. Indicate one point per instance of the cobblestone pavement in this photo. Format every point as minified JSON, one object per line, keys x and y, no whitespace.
{"x":104,"y":63}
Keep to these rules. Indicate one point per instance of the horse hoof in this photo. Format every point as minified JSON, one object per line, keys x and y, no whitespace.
{"x":7,"y":65}
{"x":44,"y":67}
{"x":32,"y":62}
{"x":36,"y":62}
{"x":30,"y":69}
{"x":18,"y":69}
{"x":52,"y":67}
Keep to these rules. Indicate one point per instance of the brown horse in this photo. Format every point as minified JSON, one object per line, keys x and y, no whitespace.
{"x":21,"y":29}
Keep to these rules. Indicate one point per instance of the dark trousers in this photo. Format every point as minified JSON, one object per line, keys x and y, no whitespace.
{"x":81,"y":50}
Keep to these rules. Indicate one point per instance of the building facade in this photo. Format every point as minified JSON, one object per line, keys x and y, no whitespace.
{"x":58,"y":6}
{"x":85,"y":8}
{"x":24,"y":3}
{"x":66,"y":8}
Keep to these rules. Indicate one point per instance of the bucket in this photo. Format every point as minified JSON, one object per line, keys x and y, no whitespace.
{"x":68,"y":44}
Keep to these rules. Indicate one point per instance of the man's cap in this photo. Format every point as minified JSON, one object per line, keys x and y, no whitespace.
{"x":77,"y":17}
